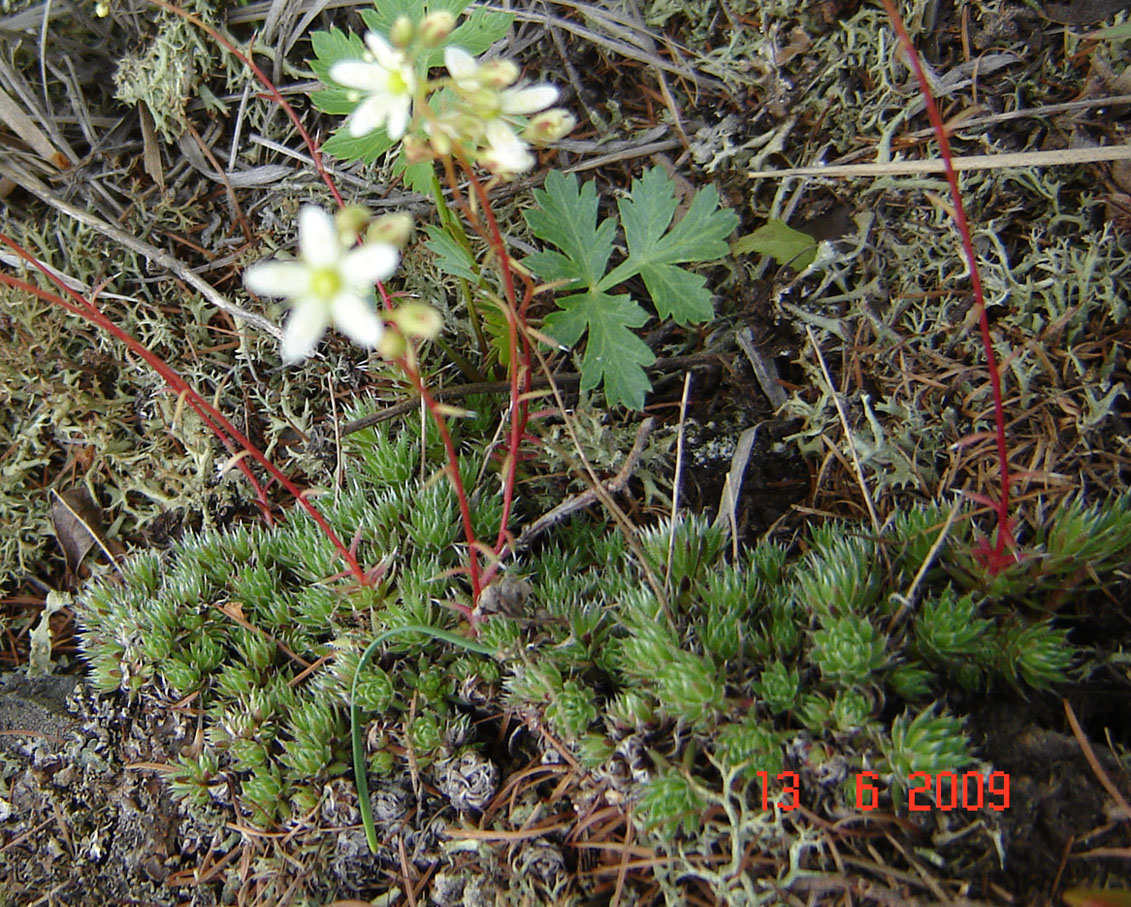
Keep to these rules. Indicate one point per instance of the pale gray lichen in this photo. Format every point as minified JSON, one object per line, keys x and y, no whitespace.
{"x":165,"y":73}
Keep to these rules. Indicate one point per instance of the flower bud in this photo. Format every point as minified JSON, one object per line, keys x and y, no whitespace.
{"x":441,"y":142}
{"x":416,"y":150}
{"x":402,"y":32}
{"x":498,"y":73}
{"x":549,"y":126}
{"x":485,"y":102}
{"x":392,"y":345}
{"x":393,"y":229}
{"x":418,"y":319}
{"x":435,"y":27}
{"x":351,"y":220}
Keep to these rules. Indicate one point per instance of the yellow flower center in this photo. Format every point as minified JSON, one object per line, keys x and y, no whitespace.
{"x":397,"y":83}
{"x":325,"y":283}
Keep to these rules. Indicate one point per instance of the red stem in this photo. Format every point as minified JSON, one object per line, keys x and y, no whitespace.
{"x":272,"y":91}
{"x":211,"y":417}
{"x":456,"y":480}
{"x":519,"y":407}
{"x":1001,"y":506}
{"x":453,"y":468}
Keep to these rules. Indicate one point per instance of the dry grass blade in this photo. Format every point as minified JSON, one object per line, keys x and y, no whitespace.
{"x":22,"y":125}
{"x":180,"y":269}
{"x":1101,"y":775}
{"x":1066,"y":157}
{"x":677,"y":479}
{"x":732,"y":485}
{"x":859,"y":469}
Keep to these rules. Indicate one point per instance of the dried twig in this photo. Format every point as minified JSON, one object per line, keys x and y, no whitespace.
{"x":591,"y":495}
{"x":678,"y":478}
{"x":1068,"y":156}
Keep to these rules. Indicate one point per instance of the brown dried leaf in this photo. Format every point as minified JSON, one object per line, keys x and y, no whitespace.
{"x":78,"y":526}
{"x":150,"y":147}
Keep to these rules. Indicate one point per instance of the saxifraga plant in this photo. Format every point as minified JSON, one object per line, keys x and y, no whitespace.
{"x":251,"y":646}
{"x":253,"y":624}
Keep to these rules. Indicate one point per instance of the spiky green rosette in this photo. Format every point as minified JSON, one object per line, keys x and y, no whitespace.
{"x":709,"y":694}
{"x":259,"y":630}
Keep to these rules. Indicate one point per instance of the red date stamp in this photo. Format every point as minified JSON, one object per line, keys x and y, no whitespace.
{"x":970,"y":791}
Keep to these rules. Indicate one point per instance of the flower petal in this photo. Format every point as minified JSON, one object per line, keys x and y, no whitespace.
{"x":505,"y":153}
{"x":528,"y":100}
{"x":318,"y":240}
{"x":368,"y":263}
{"x":460,"y":64}
{"x":305,"y":327}
{"x":399,"y":113}
{"x":277,"y":278}
{"x":370,"y":114}
{"x":355,"y":318}
{"x":359,"y":75}
{"x":383,"y":51}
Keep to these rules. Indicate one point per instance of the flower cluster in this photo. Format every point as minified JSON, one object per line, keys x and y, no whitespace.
{"x":485,"y":118}
{"x":478,"y":112}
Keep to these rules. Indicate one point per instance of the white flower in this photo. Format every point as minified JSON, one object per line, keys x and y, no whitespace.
{"x":387,"y":83}
{"x":485,"y":89}
{"x":506,"y":154}
{"x":332,"y":282}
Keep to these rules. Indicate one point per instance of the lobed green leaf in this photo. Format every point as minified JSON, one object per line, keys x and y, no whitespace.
{"x":329,"y":48}
{"x":614,"y":356}
{"x":567,"y":218}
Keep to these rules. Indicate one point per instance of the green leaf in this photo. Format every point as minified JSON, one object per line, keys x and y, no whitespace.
{"x":614,"y":356}
{"x":566,"y":217}
{"x":478,"y":32}
{"x":654,"y":250}
{"x":451,"y":257}
{"x":364,"y":148}
{"x":416,"y":177}
{"x":781,"y":242}
{"x":497,"y":329}
{"x":330,"y":47}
